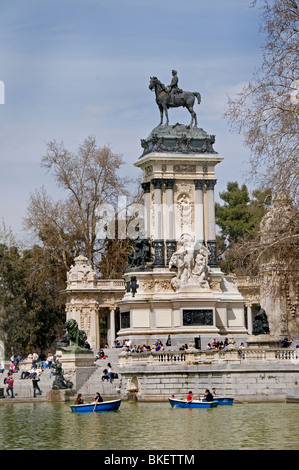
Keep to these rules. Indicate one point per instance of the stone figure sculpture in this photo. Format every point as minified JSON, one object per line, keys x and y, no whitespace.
{"x":141,"y":255}
{"x":76,"y":337}
{"x":81,"y":272}
{"x":60,"y":382}
{"x":173,"y":97}
{"x":173,"y":87}
{"x":191,"y":263}
{"x":260,"y":323}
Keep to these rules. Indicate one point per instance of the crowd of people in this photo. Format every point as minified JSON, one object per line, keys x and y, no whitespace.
{"x":217,"y":345}
{"x":39,"y":363}
{"x":129,"y":347}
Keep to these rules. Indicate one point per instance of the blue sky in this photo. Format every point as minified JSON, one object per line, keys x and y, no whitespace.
{"x":74,"y":68}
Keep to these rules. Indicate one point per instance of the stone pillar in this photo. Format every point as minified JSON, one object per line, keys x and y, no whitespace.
{"x":249,"y":319}
{"x":169,"y":220}
{"x":199,"y":215}
{"x":147,"y":203}
{"x":211,"y":227}
{"x":112,"y":326}
{"x":158,"y":223}
{"x":97,"y":332}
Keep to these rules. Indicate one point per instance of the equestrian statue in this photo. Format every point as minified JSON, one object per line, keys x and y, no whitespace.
{"x":173,"y":97}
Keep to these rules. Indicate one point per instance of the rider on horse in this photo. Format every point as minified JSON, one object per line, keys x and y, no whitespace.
{"x":173,"y":87}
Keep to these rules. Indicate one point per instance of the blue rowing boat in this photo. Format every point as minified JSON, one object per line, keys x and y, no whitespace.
{"x":112,"y":405}
{"x":175,"y":403}
{"x":223,"y":400}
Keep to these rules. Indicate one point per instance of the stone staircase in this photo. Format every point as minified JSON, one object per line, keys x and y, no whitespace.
{"x":96,"y":384}
{"x":23,"y":387}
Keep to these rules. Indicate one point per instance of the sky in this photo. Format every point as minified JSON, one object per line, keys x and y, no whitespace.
{"x":74,"y":68}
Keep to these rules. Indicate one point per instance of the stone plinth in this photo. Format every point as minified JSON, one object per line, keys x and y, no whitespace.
{"x":77,"y":364}
{"x":262,"y":341}
{"x":60,"y":395}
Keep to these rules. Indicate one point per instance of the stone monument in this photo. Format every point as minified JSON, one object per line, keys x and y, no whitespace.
{"x":74,"y":363}
{"x":175,"y":287}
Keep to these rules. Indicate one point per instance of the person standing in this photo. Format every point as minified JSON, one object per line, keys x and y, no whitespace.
{"x":34,"y":360}
{"x":36,"y":388}
{"x":9,"y":381}
{"x":50,"y":359}
{"x":42,"y":360}
{"x":109,"y":371}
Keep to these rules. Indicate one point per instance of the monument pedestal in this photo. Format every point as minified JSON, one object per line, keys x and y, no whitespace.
{"x":77,"y":364}
{"x":179,"y":290}
{"x":263,"y":341}
{"x":60,"y":395}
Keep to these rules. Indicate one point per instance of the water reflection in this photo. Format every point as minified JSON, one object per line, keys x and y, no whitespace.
{"x":149,"y":426}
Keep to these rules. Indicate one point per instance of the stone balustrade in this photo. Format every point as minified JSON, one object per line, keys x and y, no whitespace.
{"x":192,"y":356}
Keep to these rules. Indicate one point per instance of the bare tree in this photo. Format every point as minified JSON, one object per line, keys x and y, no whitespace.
{"x":91,"y":180}
{"x":265,"y":112}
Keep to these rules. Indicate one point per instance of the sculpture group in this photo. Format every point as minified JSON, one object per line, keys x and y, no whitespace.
{"x":173,"y":97}
{"x":191,"y":263}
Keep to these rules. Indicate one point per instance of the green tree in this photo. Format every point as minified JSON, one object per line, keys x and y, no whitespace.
{"x":32,"y":313}
{"x":238,"y":220}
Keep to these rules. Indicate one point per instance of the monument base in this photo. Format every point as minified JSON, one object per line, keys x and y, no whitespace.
{"x":262,"y":341}
{"x":60,"y":395}
{"x":77,"y":364}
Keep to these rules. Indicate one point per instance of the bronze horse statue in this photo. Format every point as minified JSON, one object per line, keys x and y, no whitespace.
{"x":183,"y":98}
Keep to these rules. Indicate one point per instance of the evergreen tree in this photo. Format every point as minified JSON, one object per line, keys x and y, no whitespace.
{"x":31,"y":310}
{"x":238,"y":219}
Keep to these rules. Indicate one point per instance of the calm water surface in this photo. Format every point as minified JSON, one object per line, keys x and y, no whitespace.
{"x":150,"y":426}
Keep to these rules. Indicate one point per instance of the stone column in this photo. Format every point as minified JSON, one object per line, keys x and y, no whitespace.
{"x":97,"y":332}
{"x":169,"y":220}
{"x":211,"y":228}
{"x":199,"y":215}
{"x":112,"y":326}
{"x":147,"y":203}
{"x":158,"y":223}
{"x":249,"y":319}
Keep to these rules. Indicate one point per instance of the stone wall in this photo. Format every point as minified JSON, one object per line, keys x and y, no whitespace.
{"x":252,"y":379}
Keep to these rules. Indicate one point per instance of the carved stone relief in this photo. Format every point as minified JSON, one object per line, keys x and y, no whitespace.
{"x":190,"y":260}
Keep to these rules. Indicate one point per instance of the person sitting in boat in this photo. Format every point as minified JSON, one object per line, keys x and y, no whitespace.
{"x":208,"y":396}
{"x":214,"y":392}
{"x":190,"y":396}
{"x":97,"y":398}
{"x":79,"y":400}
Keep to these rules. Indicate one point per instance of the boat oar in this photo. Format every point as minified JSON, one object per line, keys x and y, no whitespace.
{"x":95,"y":404}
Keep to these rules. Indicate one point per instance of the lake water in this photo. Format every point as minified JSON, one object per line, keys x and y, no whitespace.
{"x":150,"y":426}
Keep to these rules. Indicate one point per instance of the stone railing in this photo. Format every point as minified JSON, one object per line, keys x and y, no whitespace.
{"x":194,"y":356}
{"x":111,"y":284}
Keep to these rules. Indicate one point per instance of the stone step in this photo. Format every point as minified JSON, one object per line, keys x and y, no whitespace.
{"x":96,"y":384}
{"x":23,"y":387}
